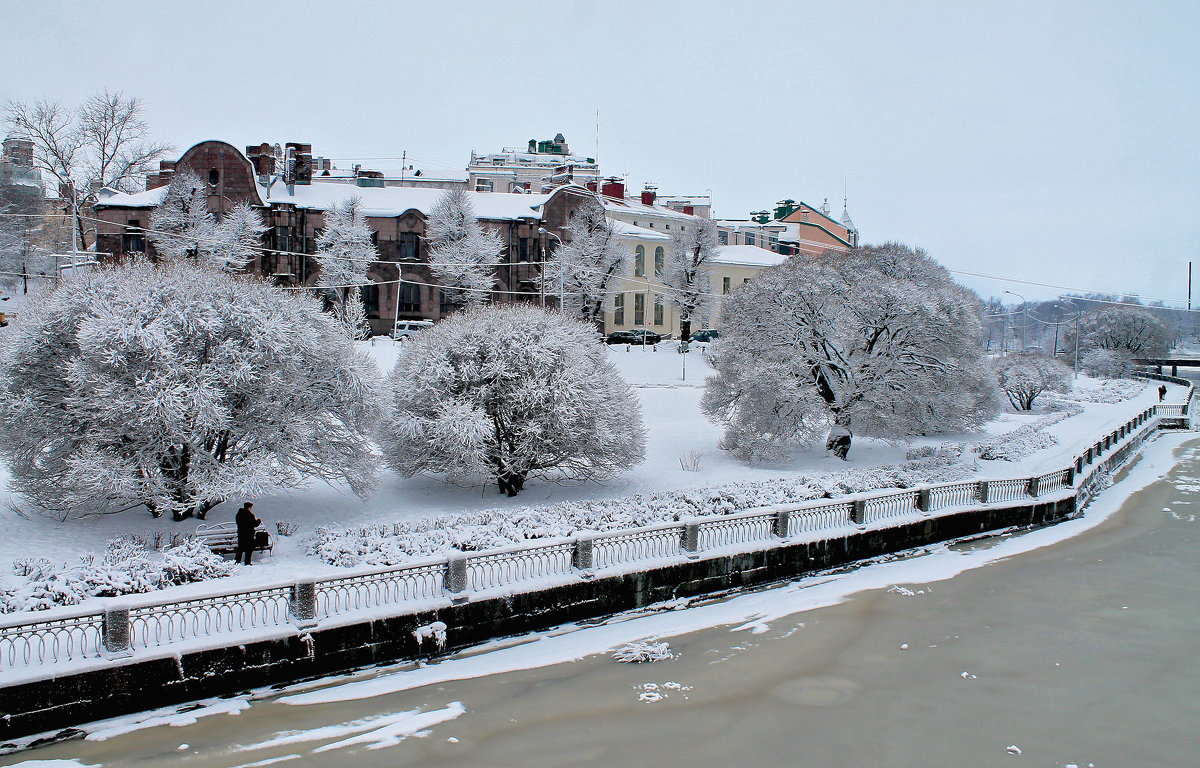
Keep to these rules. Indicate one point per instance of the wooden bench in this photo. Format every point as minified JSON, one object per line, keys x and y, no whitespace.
{"x":221,"y":538}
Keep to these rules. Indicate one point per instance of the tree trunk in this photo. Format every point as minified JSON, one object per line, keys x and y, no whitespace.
{"x":838,"y":442}
{"x":510,"y":482}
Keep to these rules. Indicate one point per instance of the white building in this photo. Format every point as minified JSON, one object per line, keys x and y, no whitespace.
{"x":534,"y":168}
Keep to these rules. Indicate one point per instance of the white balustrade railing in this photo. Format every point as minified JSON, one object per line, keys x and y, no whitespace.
{"x":81,"y":636}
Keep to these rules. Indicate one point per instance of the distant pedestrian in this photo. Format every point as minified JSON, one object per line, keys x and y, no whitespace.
{"x":246,"y":523}
{"x":1162,"y":393}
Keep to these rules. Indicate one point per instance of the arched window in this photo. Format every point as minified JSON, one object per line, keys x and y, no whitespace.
{"x":639,"y":261}
{"x":658,"y":260}
{"x":214,"y":176}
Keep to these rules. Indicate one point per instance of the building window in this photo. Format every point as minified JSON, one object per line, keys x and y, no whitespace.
{"x":483,"y":185}
{"x":725,"y":285}
{"x":445,"y":307}
{"x":410,"y":298}
{"x":639,"y":309}
{"x":658,"y":310}
{"x":659,"y":258}
{"x":214,"y":177}
{"x":749,"y":238}
{"x":723,"y":238}
{"x":619,"y":309}
{"x":370,"y":299}
{"x":133,"y":239}
{"x":639,"y":261}
{"x":410,"y":244}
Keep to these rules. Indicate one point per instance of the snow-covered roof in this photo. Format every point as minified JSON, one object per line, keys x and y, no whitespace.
{"x":627,"y":230}
{"x":631,"y":205}
{"x":747,"y":256}
{"x":393,"y":201}
{"x":376,"y":201}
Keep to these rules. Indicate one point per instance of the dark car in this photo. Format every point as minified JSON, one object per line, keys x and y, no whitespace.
{"x":636,"y":336}
{"x":705,"y":334}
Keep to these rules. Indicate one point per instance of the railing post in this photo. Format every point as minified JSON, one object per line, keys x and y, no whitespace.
{"x":783,"y":519}
{"x":302,"y":604}
{"x":1089,"y":456}
{"x":584,"y":556}
{"x":982,"y":492}
{"x":1078,"y":463}
{"x":691,"y":539}
{"x":115,"y":632}
{"x":1070,"y":478}
{"x":924,"y":500}
{"x":858,"y":512}
{"x":1033,"y":487}
{"x":456,"y":577}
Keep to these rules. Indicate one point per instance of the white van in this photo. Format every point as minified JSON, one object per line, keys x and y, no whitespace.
{"x":409,"y":327}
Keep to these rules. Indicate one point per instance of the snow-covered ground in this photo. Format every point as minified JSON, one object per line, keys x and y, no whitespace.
{"x":676,"y":430}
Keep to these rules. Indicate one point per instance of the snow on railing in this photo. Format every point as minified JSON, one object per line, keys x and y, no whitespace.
{"x":385,"y":587}
{"x":68,"y":638}
{"x":623,"y":547}
{"x":155,"y":625}
{"x":120,"y":631}
{"x":522,"y":563}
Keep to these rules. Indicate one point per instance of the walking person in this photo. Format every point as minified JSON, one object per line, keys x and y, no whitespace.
{"x":1162,"y":393}
{"x":246,"y":523}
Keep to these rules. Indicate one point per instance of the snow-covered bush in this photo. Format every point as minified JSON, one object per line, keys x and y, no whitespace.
{"x":1024,"y":441}
{"x":125,"y":568}
{"x":176,"y":387}
{"x":286,"y":528}
{"x":1135,"y":330}
{"x":511,"y":392}
{"x":193,"y":561}
{"x":1023,"y":377}
{"x":1106,"y":363}
{"x":400,"y":542}
{"x":879,"y":341}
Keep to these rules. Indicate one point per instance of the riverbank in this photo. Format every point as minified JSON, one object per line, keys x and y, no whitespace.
{"x":794,"y":678}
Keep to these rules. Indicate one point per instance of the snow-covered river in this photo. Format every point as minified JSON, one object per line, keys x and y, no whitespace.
{"x":1074,"y":645}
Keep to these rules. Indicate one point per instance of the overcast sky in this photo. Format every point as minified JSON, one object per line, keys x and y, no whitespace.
{"x":1040,"y":141}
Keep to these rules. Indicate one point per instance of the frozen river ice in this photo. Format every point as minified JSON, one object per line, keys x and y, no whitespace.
{"x":1081,"y":652}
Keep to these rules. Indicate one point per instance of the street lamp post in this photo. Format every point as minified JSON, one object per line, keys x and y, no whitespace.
{"x":1025,"y":319}
{"x":1078,"y":312}
{"x":561,"y":275}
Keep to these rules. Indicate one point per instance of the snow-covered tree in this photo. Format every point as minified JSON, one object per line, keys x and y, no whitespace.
{"x":181,"y":227}
{"x":878,"y":341}
{"x":1023,"y":377}
{"x":584,"y":269}
{"x":102,"y":142}
{"x":1106,"y":363}
{"x":511,"y":392}
{"x":1131,"y":329}
{"x":462,"y":252}
{"x":345,"y":252}
{"x":22,"y":250}
{"x":686,"y":273}
{"x":238,"y":239}
{"x":178,"y":387}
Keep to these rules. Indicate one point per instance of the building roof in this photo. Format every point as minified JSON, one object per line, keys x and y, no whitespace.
{"x":634,"y":206}
{"x":747,"y":256}
{"x":380,"y":202}
{"x":629,"y":231}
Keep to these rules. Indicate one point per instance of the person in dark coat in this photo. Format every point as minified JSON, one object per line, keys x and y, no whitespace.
{"x":246,"y":523}
{"x":1162,"y":393}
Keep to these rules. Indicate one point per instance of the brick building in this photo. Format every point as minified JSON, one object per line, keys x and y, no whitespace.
{"x":280,"y":183}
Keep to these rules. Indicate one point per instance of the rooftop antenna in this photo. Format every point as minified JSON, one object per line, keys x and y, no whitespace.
{"x":597,"y":157}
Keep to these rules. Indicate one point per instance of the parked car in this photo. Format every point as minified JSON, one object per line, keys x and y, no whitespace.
{"x":636,"y":336}
{"x":409,"y":327}
{"x":705,"y":334}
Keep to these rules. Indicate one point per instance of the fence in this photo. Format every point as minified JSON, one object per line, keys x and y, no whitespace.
{"x":121,"y":631}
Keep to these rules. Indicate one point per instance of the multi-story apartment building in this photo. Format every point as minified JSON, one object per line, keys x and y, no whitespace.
{"x":538,"y":167}
{"x":293,"y":201}
{"x":792,"y":228}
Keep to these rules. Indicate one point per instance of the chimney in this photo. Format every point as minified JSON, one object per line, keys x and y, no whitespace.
{"x":690,"y":210}
{"x":591,"y":185}
{"x":614,"y":188}
{"x":262,"y":158}
{"x":166,"y":172}
{"x":648,"y":194}
{"x":302,"y":167}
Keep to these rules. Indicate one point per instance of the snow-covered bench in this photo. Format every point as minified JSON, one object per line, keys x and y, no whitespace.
{"x":221,"y":538}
